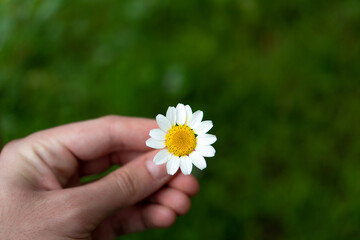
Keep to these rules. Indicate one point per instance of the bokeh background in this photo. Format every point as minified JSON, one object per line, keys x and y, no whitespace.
{"x":279,"y":79}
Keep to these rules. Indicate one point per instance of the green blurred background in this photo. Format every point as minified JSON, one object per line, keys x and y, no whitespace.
{"x":279,"y":79}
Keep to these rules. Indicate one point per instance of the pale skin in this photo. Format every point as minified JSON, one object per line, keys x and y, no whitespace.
{"x":41,"y":196}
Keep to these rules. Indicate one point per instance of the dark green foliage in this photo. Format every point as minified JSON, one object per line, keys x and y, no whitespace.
{"x":280,"y":80}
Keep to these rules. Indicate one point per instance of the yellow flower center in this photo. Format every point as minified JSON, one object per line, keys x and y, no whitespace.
{"x":180,"y":140}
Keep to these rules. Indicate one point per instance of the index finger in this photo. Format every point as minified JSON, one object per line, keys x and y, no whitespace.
{"x":95,"y":138}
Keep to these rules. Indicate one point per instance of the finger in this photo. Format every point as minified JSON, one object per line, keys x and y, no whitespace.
{"x":139,"y":218}
{"x":125,"y":186}
{"x":185,"y":183}
{"x":92,"y":139}
{"x":177,"y":200}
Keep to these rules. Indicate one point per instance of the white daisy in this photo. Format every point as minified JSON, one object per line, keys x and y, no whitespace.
{"x":184,"y":139}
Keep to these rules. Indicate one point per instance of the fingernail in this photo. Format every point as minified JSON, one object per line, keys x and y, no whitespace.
{"x":157,"y":171}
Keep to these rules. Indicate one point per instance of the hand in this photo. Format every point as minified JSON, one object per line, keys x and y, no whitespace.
{"x":41,"y":196}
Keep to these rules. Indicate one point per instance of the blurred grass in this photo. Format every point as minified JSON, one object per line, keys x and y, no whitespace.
{"x":279,"y":79}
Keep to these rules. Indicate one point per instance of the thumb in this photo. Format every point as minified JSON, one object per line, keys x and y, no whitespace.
{"x":128,"y":185}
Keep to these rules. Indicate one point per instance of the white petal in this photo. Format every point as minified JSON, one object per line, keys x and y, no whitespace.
{"x":171,"y":115}
{"x":196,"y":119}
{"x":162,"y":157}
{"x":173,"y":165}
{"x":198,"y":160}
{"x":206,"y":151}
{"x":163,"y":122}
{"x":203,"y":127}
{"x":186,"y":165}
{"x":155,"y":143}
{"x":180,"y":114}
{"x":206,"y":139}
{"x":157,"y":134}
{"x":188,"y":114}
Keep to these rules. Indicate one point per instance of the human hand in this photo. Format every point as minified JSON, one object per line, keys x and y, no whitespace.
{"x":41,"y":196}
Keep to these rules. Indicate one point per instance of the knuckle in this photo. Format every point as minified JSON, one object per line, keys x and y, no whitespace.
{"x":110,"y":119}
{"x":125,"y":183}
{"x":10,"y":146}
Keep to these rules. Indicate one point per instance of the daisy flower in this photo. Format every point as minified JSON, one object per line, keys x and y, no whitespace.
{"x":183,"y":138}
